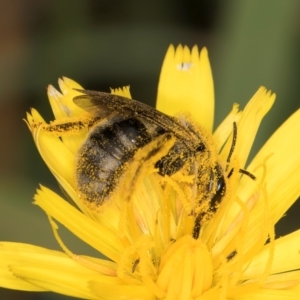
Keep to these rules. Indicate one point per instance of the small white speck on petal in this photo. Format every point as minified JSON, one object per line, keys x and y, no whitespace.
{"x":185,"y":66}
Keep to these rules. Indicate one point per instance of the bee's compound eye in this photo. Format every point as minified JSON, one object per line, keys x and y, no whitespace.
{"x":220,"y":184}
{"x":200,"y":148}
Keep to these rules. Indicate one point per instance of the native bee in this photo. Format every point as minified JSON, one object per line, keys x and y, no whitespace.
{"x":119,"y":127}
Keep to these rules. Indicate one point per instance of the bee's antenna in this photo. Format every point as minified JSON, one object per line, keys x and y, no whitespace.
{"x":242,"y":171}
{"x":230,"y":173}
{"x":234,"y":136}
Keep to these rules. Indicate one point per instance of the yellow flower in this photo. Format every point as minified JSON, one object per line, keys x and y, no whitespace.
{"x":147,"y":228}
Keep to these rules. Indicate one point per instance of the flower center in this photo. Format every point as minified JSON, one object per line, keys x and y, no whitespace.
{"x":185,"y":270}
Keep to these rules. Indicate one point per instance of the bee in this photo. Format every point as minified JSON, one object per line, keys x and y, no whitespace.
{"x":119,"y":128}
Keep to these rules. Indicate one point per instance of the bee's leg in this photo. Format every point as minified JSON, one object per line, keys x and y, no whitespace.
{"x":174,"y":160}
{"x":197,"y":226}
{"x":143,"y":163}
{"x":65,"y":127}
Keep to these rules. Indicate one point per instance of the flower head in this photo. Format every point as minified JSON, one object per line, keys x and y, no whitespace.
{"x":201,"y":230}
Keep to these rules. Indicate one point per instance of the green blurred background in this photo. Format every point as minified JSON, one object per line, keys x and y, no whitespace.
{"x":110,"y":43}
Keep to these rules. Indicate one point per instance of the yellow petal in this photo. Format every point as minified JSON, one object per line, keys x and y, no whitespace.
{"x":284,"y":280}
{"x":62,"y":103}
{"x":38,"y":269}
{"x":60,"y":110}
{"x":250,"y":121}
{"x":279,"y":162}
{"x":124,"y":91}
{"x":286,"y":257}
{"x":63,"y":108}
{"x":59,"y":159}
{"x":91,"y":232}
{"x":61,"y":278}
{"x":223,"y":131}
{"x":68,"y":88}
{"x":186,"y":85}
{"x":121,"y":291}
{"x":12,"y":254}
{"x":248,"y":124}
{"x":273,"y":294}
{"x":277,"y":168}
{"x":281,"y":158}
{"x":34,"y":116}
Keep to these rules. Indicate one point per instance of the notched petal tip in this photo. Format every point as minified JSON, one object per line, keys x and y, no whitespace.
{"x":122,"y":91}
{"x":265,"y":100}
{"x":53,"y":92}
{"x":60,"y":110}
{"x":170,"y":51}
{"x":249,"y":122}
{"x":186,"y":85}
{"x":203,"y":52}
{"x":33,"y":118}
{"x":62,"y":102}
{"x":67,"y":85}
{"x":72,"y":84}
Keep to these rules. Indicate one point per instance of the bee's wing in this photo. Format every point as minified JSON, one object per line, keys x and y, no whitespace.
{"x":101,"y":105}
{"x":95,"y":103}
